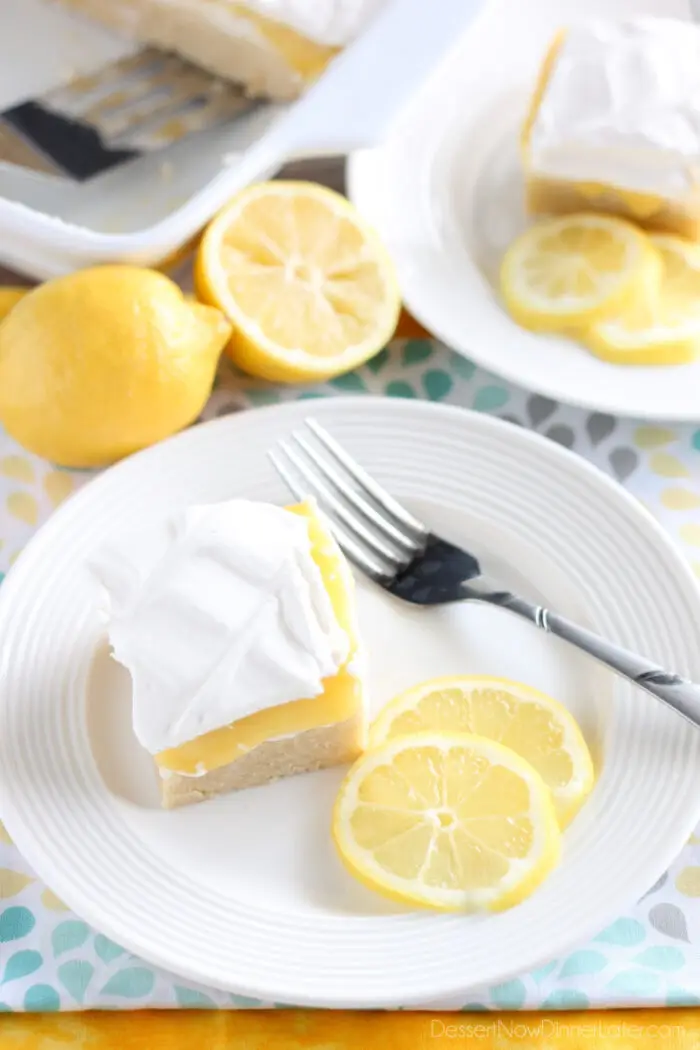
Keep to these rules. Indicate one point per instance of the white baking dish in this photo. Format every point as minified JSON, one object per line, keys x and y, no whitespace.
{"x":145,"y":210}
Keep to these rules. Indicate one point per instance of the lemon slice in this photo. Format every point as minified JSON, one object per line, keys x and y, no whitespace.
{"x":534,"y":725}
{"x":308,"y":286}
{"x":448,"y":821}
{"x":662,"y":327}
{"x":569,"y":272}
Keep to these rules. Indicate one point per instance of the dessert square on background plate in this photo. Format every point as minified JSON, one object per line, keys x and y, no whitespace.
{"x":245,"y":892}
{"x":446,"y":193}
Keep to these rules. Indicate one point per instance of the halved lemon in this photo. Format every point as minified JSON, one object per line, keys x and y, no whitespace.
{"x":448,"y":821}
{"x":538,"y":728}
{"x":663,"y":326}
{"x":308,"y":286}
{"x":567,"y":272}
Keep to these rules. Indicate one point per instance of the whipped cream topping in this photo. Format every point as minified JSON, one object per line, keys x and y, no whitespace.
{"x":330,"y":22}
{"x":217,"y":613}
{"x":622,"y":107}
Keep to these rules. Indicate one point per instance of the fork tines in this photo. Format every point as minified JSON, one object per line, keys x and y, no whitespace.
{"x":375,"y":532}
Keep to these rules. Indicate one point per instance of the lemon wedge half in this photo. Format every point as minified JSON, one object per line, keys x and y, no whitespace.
{"x":307,"y":284}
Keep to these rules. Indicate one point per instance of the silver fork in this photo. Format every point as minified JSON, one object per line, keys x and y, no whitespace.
{"x":399,"y":553}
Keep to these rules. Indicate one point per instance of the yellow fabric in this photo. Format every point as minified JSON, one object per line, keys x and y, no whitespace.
{"x":321,"y":1030}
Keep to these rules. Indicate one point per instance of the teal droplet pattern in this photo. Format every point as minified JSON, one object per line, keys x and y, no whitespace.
{"x":378,"y":362}
{"x":399,"y":388}
{"x":462,"y":366}
{"x":107,"y":950}
{"x":543,"y":972}
{"x":15,"y":922}
{"x":75,"y":976}
{"x":193,"y":999}
{"x":437,"y":384}
{"x":41,"y":998}
{"x":508,"y":996}
{"x":69,"y":935}
{"x":417,"y":350}
{"x":566,"y":999}
{"x":585,"y":961}
{"x":134,"y":982}
{"x":624,"y":932}
{"x":681,"y":997}
{"x":638,"y":983}
{"x":491,"y":398}
{"x":244,"y":1002}
{"x":352,"y":383}
{"x":21,"y":964}
{"x":661,"y":958}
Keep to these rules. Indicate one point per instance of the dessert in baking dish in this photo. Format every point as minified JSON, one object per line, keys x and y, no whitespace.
{"x":236,"y":622}
{"x":614,"y":124}
{"x":272,"y":47}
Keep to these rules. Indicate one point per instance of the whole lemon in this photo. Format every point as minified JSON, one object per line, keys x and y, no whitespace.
{"x":101,"y":363}
{"x":9,"y":297}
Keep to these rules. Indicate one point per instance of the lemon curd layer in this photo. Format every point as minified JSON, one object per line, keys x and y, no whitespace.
{"x":271,"y":46}
{"x":342,"y":697}
{"x":614,"y":123}
{"x":304,"y":56}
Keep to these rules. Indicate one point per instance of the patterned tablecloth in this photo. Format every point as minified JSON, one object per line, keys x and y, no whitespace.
{"x":51,"y":960}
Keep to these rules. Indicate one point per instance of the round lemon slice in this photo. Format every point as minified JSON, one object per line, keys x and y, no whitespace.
{"x":568,"y":272}
{"x":538,"y":728}
{"x":448,"y":821}
{"x":308,"y":286}
{"x":663,"y":326}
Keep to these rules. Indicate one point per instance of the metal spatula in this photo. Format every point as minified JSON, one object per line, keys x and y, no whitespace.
{"x":141,"y":103}
{"x":151,"y":100}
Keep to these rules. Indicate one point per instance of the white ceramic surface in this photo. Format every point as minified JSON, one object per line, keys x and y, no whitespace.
{"x":143,"y":211}
{"x":245,"y":892}
{"x":445,"y":192}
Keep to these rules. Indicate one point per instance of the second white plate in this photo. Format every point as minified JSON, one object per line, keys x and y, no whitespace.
{"x":445,"y":193}
{"x":246,"y":892}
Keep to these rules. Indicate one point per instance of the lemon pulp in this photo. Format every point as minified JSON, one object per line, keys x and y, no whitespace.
{"x":446,"y":820}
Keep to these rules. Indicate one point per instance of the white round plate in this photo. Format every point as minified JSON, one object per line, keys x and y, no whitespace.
{"x":246,"y":892}
{"x":445,"y":193}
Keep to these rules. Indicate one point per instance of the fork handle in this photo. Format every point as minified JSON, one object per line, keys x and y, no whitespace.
{"x":667,"y":686}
